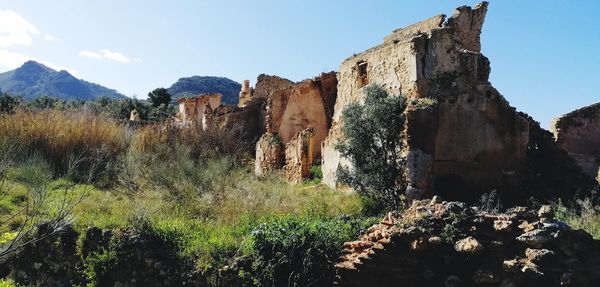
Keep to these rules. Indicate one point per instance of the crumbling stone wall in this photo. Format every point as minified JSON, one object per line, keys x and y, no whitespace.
{"x":299,"y":156}
{"x":290,"y":111}
{"x":193,"y":109}
{"x":267,"y":84}
{"x":248,"y":121}
{"x":270,"y":154}
{"x":473,"y":139}
{"x":578,"y":133}
{"x":439,"y":243}
{"x":246,"y":94}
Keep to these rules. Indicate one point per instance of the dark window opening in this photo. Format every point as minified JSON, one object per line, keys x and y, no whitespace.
{"x":362,"y":79}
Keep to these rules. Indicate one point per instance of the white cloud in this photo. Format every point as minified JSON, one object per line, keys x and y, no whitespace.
{"x":107,"y":54}
{"x":11,"y":60}
{"x":115,"y":56}
{"x":50,"y":38}
{"x":15,"y":30}
{"x":90,"y":54}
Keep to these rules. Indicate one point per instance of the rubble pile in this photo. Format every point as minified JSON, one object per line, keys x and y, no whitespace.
{"x":439,"y":243}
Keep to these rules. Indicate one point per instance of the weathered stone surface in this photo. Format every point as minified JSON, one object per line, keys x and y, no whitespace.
{"x":266,"y":84}
{"x":299,"y":156}
{"x":305,"y":105}
{"x":406,"y":252}
{"x":246,"y":94}
{"x":193,"y":109}
{"x":270,"y":154}
{"x":468,"y":245}
{"x":578,"y":133}
{"x":247,"y":122}
{"x":134,"y":115}
{"x":305,"y":108}
{"x":471,"y":138}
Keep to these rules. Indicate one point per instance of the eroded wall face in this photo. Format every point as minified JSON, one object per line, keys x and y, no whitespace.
{"x":266,"y":84}
{"x":578,"y":133}
{"x":471,"y":135}
{"x":299,"y":156}
{"x":304,"y":109}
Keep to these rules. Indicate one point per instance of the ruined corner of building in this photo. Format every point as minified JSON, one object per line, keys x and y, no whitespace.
{"x":578,"y":133}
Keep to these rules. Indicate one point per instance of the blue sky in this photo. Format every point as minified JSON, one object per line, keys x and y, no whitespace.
{"x":545,"y":55}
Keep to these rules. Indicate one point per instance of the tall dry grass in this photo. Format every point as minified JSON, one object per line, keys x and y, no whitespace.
{"x":67,"y":141}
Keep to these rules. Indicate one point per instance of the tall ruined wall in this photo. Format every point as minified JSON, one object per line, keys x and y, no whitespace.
{"x":578,"y":133}
{"x":248,"y":122}
{"x":479,"y":140}
{"x":305,"y":105}
{"x":266,"y":84}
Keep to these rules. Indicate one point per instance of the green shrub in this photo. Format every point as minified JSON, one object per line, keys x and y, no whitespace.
{"x":143,"y":255}
{"x":422,"y":103}
{"x":8,"y":103}
{"x":582,"y":214}
{"x":299,"y":252}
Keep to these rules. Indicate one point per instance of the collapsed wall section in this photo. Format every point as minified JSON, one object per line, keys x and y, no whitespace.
{"x":290,"y":112}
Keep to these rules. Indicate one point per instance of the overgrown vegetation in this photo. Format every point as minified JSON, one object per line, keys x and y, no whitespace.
{"x":581,"y":214}
{"x":373,"y":142}
{"x":185,"y":190}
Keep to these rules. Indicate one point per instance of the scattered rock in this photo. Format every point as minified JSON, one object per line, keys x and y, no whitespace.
{"x":468,"y":245}
{"x":546,"y":212}
{"x":538,"y":255}
{"x":503,"y":225}
{"x":536,"y":238}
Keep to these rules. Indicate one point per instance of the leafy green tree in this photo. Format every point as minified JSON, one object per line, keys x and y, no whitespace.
{"x":159,"y":96}
{"x":373,"y":143}
{"x":8,"y":103}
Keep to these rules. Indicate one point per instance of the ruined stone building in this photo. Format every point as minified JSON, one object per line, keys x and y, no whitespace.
{"x":461,"y":137}
{"x":578,"y":132}
{"x":193,"y":109}
{"x":472,"y":136}
{"x":298,"y":117}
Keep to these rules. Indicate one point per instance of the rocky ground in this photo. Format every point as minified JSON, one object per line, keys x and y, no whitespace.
{"x":439,"y":243}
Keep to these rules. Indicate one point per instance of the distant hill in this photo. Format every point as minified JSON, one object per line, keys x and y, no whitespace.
{"x":33,"y":80}
{"x":192,"y":86}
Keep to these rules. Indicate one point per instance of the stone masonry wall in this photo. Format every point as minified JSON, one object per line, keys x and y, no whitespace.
{"x":266,"y":84}
{"x":578,"y":133}
{"x":299,"y":156}
{"x":480,"y":140}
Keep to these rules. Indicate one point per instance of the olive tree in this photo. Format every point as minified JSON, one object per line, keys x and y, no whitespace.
{"x":372,"y":142}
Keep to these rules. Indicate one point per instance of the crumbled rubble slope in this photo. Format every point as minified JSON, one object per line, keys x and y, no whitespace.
{"x":436,"y":243}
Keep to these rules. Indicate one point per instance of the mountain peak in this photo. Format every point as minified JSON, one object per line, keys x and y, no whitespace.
{"x":33,"y":66}
{"x":33,"y":80}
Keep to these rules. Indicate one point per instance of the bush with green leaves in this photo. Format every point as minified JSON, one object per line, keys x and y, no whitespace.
{"x":373,"y":143}
{"x":142,"y":256}
{"x":300,"y":252}
{"x":8,"y":103}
